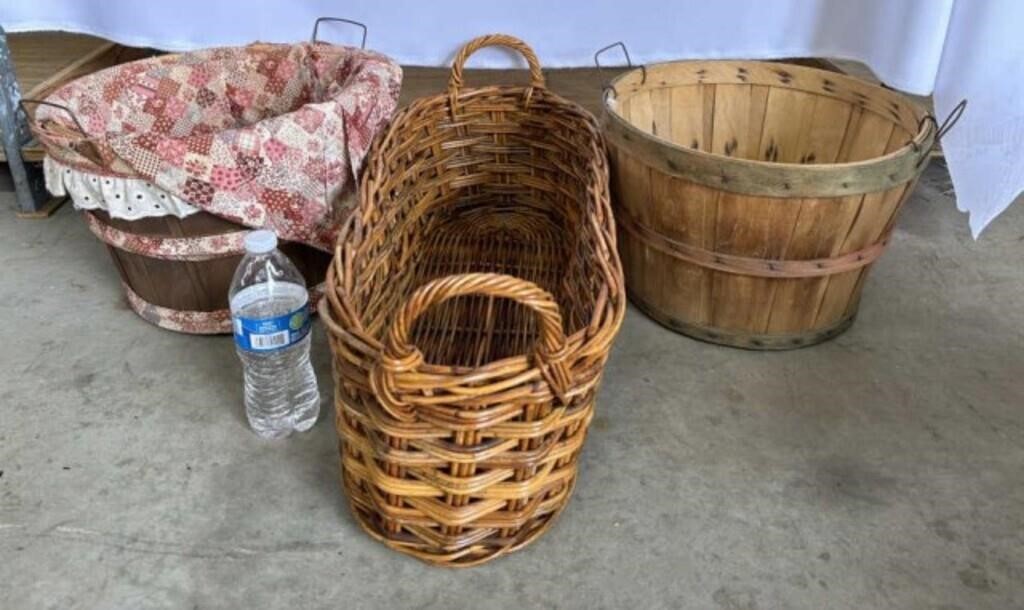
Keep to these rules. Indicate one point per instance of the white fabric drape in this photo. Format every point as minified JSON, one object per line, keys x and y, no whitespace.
{"x":957,"y":48}
{"x":983,"y":62}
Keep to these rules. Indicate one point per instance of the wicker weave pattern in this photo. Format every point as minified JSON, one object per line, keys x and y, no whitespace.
{"x":471,"y":305}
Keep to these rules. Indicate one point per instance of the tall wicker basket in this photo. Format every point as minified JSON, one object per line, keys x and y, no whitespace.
{"x":471,"y":305}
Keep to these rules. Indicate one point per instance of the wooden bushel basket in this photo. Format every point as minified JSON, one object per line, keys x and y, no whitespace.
{"x":186,"y":288}
{"x":753,"y":197}
{"x":471,"y":305}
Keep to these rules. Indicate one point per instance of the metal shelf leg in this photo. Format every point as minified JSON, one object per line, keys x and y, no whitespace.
{"x":29,"y":186}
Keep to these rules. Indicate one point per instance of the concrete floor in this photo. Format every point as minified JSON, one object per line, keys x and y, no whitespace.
{"x":883,"y":469}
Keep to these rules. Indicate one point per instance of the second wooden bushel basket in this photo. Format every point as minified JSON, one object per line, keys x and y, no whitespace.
{"x":753,"y":197}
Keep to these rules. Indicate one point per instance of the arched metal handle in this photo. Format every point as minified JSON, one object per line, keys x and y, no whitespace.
{"x":87,"y":145}
{"x":31,"y":119}
{"x":941,"y":129}
{"x":316,"y":26}
{"x":620,"y":44}
{"x":629,"y":63}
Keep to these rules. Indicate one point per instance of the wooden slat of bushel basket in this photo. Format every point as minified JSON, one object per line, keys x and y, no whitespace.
{"x":684,"y":212}
{"x":180,"y":285}
{"x":679,"y":209}
{"x":636,"y":201}
{"x":885,"y":213}
{"x":744,"y":221}
{"x":861,"y":71}
{"x":661,"y":112}
{"x":43,"y":61}
{"x":672,"y":211}
{"x":641,"y":111}
{"x":192,"y":285}
{"x":205,"y":286}
{"x":870,"y":138}
{"x":688,"y":116}
{"x":817,"y":224}
{"x":730,"y":136}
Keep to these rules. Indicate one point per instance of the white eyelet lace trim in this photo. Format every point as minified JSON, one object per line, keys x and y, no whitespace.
{"x":125,"y":198}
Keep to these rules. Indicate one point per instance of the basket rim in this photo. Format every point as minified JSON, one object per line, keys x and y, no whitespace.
{"x":774,"y":178}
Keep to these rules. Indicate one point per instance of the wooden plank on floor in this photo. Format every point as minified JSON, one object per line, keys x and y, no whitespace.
{"x":52,"y":205}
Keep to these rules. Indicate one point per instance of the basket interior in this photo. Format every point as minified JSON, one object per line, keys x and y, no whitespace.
{"x":504,"y":190}
{"x":764,"y":111}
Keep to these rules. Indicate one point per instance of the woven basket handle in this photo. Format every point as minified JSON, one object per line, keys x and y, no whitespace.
{"x":401,"y":356}
{"x":455,"y":82}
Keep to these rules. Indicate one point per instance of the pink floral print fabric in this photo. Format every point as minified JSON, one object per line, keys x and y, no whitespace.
{"x":267,"y":135}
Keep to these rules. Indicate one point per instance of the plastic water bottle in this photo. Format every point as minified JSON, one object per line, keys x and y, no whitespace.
{"x":270,"y":315}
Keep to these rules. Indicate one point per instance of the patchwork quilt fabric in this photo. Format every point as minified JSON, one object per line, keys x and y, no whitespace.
{"x":267,"y":135}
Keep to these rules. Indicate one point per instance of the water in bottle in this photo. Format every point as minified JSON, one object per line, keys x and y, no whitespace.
{"x":270,"y":315}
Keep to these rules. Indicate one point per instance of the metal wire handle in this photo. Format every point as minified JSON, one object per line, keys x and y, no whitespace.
{"x":620,"y":44}
{"x":31,"y":119}
{"x":941,"y":129}
{"x":316,"y":26}
{"x":86,"y":146}
{"x":629,"y":63}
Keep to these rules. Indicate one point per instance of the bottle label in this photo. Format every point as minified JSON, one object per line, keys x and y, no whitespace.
{"x":269,"y":334}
